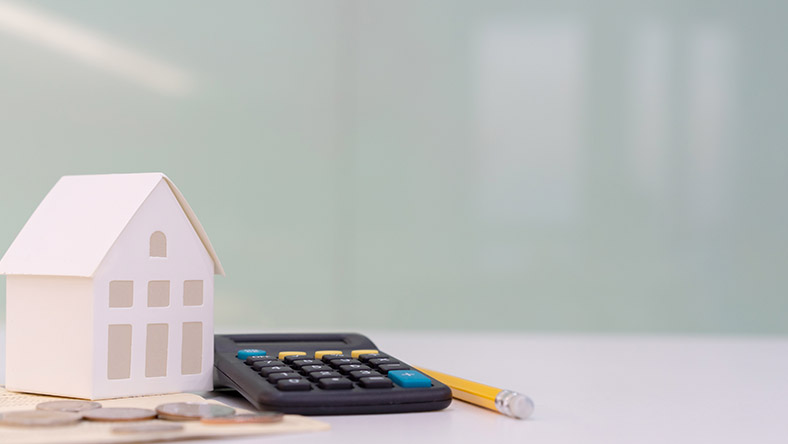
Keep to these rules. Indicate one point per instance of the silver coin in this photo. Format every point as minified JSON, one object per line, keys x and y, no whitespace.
{"x":245,"y":418}
{"x":186,"y":411}
{"x":38,"y":418}
{"x":119,"y":414}
{"x":147,"y":427}
{"x":68,"y":406}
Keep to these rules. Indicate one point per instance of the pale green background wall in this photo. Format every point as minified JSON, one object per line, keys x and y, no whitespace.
{"x":458,"y":164}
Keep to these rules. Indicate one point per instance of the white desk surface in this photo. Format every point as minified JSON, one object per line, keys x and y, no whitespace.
{"x":587,"y":389}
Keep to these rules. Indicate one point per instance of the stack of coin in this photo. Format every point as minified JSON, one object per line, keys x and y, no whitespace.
{"x":113,"y":414}
{"x":39,"y":418}
{"x":193,"y":411}
{"x":68,"y":406}
{"x":69,"y":412}
{"x":147,"y":427}
{"x":245,"y":418}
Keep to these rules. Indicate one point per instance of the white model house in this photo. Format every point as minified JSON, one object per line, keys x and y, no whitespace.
{"x":110,"y":291}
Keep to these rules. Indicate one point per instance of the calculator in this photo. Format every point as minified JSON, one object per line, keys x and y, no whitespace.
{"x":322,"y":374}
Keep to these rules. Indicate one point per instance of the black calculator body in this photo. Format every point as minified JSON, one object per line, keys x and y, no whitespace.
{"x":304,"y":374}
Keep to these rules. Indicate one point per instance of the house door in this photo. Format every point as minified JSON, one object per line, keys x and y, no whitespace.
{"x":191,"y":348}
{"x":156,"y":350}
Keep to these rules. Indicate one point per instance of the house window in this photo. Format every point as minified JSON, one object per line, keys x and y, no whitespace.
{"x":156,"y":350}
{"x":158,"y":244}
{"x":191,"y":348}
{"x":121,"y":294}
{"x":192,"y":293}
{"x":119,"y":351}
{"x":158,"y":293}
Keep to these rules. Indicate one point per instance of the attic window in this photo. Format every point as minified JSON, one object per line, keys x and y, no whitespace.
{"x":158,"y":244}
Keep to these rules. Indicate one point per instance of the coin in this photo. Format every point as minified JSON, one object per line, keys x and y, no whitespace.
{"x":68,"y":406}
{"x":147,"y":427}
{"x":246,"y":418}
{"x":118,"y":414}
{"x":188,"y":411}
{"x":38,"y":418}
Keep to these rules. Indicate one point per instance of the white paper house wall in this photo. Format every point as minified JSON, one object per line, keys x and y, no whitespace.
{"x":110,"y":291}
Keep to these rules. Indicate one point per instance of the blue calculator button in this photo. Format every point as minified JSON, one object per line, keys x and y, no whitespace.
{"x":245,"y":353}
{"x":409,"y":379}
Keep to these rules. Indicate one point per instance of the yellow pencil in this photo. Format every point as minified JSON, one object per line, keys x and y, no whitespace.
{"x":507,"y":402}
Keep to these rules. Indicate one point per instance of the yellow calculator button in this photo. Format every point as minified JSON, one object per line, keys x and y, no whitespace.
{"x":282,"y":355}
{"x":356,"y":353}
{"x":319,"y":354}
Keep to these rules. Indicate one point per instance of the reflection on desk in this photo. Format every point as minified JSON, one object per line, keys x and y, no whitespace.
{"x":588,"y":388}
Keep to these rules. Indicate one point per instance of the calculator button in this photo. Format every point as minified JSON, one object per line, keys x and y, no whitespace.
{"x":290,"y":355}
{"x":385,"y":368}
{"x":347,"y":368}
{"x":358,"y":374}
{"x":367,"y":356}
{"x":292,"y":385}
{"x":328,"y":358}
{"x":265,"y":371}
{"x":245,"y":353}
{"x":259,"y":365}
{"x":375,"y":382}
{"x":409,"y":379}
{"x":315,"y":368}
{"x":287,"y":375}
{"x":298,"y":363}
{"x":252,"y":359}
{"x":335,"y":384}
{"x":381,"y":361}
{"x":357,"y":353}
{"x":320,"y":353}
{"x":343,"y":361}
{"x":324,"y":374}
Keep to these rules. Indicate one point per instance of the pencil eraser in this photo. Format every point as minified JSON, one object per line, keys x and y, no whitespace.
{"x":521,"y":406}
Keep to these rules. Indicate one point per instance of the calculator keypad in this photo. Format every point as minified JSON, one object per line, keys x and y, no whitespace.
{"x":343,"y":361}
{"x":357,"y":353}
{"x":376,"y":382}
{"x":273,"y":377}
{"x":409,"y":378}
{"x":314,"y":368}
{"x":291,"y":356}
{"x":367,"y":356}
{"x":335,"y":384}
{"x":292,"y":385}
{"x":252,"y":359}
{"x":333,"y":370}
{"x":265,"y":371}
{"x":259,"y":365}
{"x":358,"y":374}
{"x":379,"y":361}
{"x":247,"y":352}
{"x":320,"y":353}
{"x":347,"y":368}
{"x":385,"y":368}
{"x":298,"y":363}
{"x":324,"y":374}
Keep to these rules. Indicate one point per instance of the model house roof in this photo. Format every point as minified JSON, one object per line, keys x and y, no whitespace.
{"x":79,"y":220}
